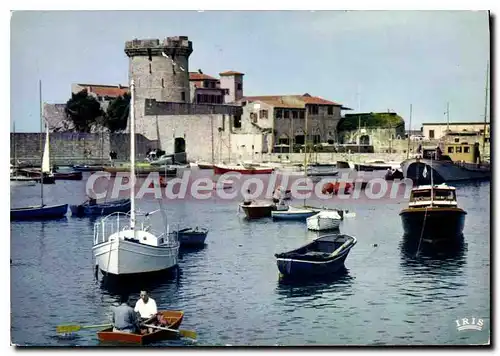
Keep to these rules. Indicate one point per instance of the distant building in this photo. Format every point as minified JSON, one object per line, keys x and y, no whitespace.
{"x":284,"y":116}
{"x":103,"y":93}
{"x":437,"y":130}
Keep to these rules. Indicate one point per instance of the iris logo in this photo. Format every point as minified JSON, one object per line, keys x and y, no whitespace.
{"x":469,"y":324}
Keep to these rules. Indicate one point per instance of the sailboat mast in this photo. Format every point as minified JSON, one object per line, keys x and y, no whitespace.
{"x":447,"y":118}
{"x":409,"y":135}
{"x":41,"y":144}
{"x":486,"y":106}
{"x":132,"y":155}
{"x":432,"y":185}
{"x":305,"y":143}
{"x":14,"y":139}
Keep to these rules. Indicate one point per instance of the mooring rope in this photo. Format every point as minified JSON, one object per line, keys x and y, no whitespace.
{"x":422,"y":232}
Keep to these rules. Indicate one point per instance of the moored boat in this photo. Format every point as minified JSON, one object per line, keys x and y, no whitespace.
{"x":39,"y":212}
{"x":323,"y":256}
{"x":190,"y":237}
{"x":258,"y":209}
{"x":21,"y":181}
{"x":221,"y":169}
{"x":324,"y":220}
{"x":123,"y":247}
{"x":174,"y":320}
{"x":293,"y":213}
{"x":74,"y":175}
{"x":87,"y":168}
{"x":90,"y":208}
{"x":433,"y":214}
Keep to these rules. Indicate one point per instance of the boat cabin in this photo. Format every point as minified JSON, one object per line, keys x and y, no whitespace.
{"x":438,"y":195}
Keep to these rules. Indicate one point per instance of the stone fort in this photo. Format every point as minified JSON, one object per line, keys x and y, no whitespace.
{"x":164,"y":109}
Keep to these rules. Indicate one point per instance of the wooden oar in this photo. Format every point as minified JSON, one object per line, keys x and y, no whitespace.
{"x":186,"y":333}
{"x":73,"y":328}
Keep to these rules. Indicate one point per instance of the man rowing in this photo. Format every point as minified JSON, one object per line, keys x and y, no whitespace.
{"x":145,"y":306}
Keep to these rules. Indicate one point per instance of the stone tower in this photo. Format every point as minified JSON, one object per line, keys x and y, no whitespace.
{"x":160,"y":70}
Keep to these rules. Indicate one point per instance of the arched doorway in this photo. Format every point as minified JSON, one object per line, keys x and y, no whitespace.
{"x":179,"y":145}
{"x":364,"y":140}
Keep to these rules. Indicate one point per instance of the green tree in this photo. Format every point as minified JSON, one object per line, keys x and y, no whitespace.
{"x":117,"y":113}
{"x":83,"y":110}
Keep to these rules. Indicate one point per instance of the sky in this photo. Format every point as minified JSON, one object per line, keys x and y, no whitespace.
{"x":370,"y":61}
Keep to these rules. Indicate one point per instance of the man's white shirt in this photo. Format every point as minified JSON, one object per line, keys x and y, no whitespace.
{"x":146,"y":310}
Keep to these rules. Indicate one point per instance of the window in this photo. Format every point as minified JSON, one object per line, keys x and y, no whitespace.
{"x":183,"y":96}
{"x":431,"y":133}
{"x":237,"y":121}
{"x":287,"y":114}
{"x":239,"y":86}
{"x":458,"y":149}
{"x":457,"y":140}
{"x":283,"y":141}
{"x":316,"y":139}
{"x":162,"y":83}
{"x":295,"y":114}
{"x":302,"y":114}
{"x":466,"y":149}
{"x":253,"y":117}
{"x":299,"y":139}
{"x":279,"y":113}
{"x":150,"y":68}
{"x":205,"y":84}
{"x":212,"y":85}
{"x":198,"y":98}
{"x":313,"y":109}
{"x":263,"y":114}
{"x":330,"y":110}
{"x":450,"y":149}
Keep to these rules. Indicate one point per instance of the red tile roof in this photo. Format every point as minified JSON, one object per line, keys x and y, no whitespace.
{"x":230,"y":72}
{"x":289,"y":99}
{"x":105,"y":90}
{"x":198,"y":76}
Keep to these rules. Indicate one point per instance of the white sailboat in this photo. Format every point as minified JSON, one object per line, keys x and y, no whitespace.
{"x":122,"y":248}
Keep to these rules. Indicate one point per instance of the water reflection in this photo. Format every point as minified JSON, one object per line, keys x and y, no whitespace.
{"x":296,"y":288}
{"x":448,"y":256}
{"x":133,"y":285}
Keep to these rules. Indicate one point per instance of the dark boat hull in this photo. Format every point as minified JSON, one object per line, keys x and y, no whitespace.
{"x":122,"y":205}
{"x":257,"y":212}
{"x":440,"y":223}
{"x":324,"y":256}
{"x":191,"y":237}
{"x":39,"y":213}
{"x":68,"y":175}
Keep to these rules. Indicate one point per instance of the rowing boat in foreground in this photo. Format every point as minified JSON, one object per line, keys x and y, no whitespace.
{"x":174,"y":320}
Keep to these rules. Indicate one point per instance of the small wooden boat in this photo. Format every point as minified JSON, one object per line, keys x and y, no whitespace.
{"x":35,"y":174}
{"x":106,"y":208}
{"x":325,"y":255}
{"x":73,"y":175}
{"x":433,"y":213}
{"x":39,"y":212}
{"x":321,"y":171}
{"x":21,"y":181}
{"x":324,"y":220}
{"x":293,"y":213}
{"x":143,"y":171}
{"x":190,"y":237}
{"x":174,"y":320}
{"x":202,"y":165}
{"x":87,"y":168}
{"x":257,"y":209}
{"x":221,"y":169}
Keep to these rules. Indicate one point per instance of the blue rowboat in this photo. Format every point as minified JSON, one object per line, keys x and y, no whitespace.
{"x":87,"y":209}
{"x":325,"y":255}
{"x":293,"y":214}
{"x":192,"y":237}
{"x":39,"y":212}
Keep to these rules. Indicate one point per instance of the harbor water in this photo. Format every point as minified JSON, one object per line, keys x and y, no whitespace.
{"x":231,"y":292}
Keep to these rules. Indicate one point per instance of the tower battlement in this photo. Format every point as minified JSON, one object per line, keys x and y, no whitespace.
{"x":175,"y":45}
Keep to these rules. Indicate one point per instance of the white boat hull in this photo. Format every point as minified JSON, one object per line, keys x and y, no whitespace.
{"x":121,"y":257}
{"x":319,"y":223}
